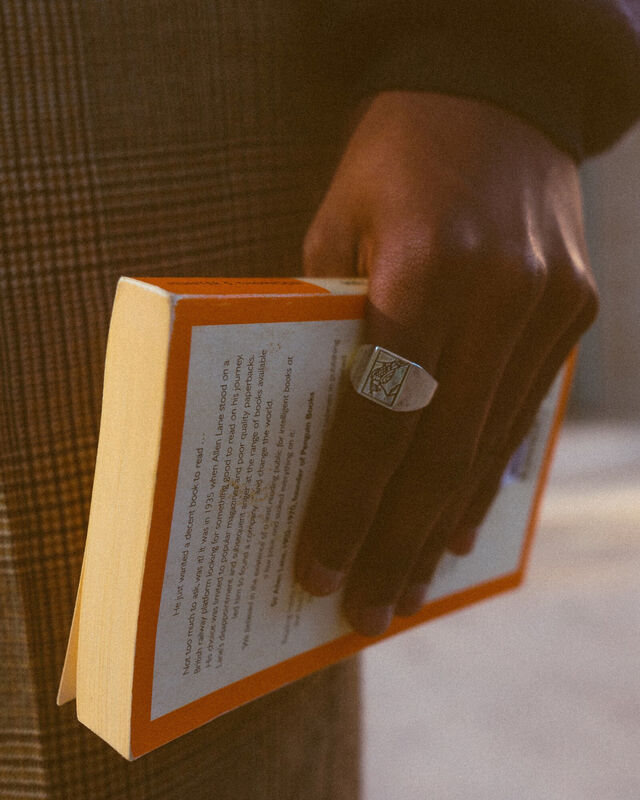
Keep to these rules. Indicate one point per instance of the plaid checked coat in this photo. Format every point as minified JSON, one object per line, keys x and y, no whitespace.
{"x":138,"y":138}
{"x":150,"y":137}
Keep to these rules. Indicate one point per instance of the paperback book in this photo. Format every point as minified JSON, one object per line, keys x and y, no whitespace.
{"x":217,"y":396}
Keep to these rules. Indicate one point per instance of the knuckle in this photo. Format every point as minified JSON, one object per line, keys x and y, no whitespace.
{"x":588,"y":290}
{"x":522,"y":274}
{"x":590,"y":306}
{"x":510,"y":270}
{"x":570,"y":281}
{"x":574,"y":288}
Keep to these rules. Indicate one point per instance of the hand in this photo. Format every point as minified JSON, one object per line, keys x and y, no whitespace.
{"x":468,"y":224}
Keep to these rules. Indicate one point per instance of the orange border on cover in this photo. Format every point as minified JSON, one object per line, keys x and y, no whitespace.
{"x":147,"y":734}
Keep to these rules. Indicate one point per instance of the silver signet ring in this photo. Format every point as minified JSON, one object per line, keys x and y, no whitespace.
{"x":390,"y":380}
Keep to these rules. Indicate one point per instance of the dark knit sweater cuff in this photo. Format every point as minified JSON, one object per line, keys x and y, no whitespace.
{"x":477,"y":68}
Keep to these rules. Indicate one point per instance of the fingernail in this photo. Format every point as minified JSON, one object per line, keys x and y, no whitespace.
{"x":412,"y":600}
{"x":320,"y":580}
{"x":462,"y":543}
{"x":370,"y":620}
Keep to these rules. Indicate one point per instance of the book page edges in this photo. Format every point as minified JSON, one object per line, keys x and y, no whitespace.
{"x":67,"y":686}
{"x":120,"y":516}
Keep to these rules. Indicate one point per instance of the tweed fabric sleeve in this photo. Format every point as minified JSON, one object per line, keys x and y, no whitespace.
{"x":570,"y":67}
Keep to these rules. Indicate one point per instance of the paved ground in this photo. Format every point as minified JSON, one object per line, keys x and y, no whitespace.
{"x":534,"y":695}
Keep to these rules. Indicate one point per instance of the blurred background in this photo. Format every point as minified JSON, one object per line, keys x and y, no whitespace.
{"x":535,"y":695}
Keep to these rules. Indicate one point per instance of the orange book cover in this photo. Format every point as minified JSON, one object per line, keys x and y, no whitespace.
{"x":252,"y":374}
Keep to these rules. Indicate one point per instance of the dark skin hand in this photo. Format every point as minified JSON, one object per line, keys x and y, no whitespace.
{"x":468,"y":224}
